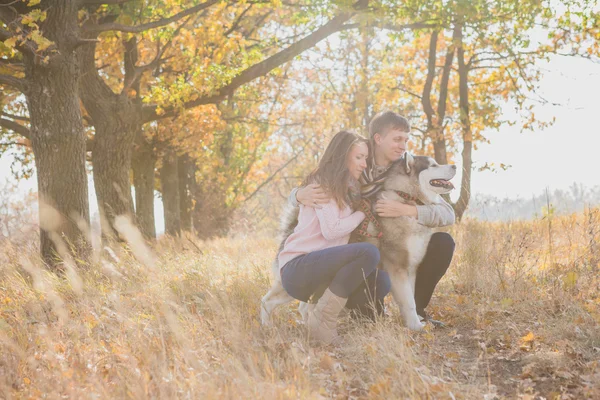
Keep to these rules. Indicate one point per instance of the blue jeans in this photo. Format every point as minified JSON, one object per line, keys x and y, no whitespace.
{"x":350,"y":271}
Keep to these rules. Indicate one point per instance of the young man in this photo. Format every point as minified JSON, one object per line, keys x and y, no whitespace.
{"x":389,"y":135}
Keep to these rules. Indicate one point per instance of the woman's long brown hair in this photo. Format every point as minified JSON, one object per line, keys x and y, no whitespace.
{"x":333,"y":174}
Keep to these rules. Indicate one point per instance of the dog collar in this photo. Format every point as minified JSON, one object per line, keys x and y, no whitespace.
{"x":408,"y":197}
{"x":365,"y":206}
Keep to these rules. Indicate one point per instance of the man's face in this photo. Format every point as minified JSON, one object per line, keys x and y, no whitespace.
{"x":391,"y":145}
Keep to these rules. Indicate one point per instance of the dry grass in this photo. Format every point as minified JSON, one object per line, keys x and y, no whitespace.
{"x":523,"y":315}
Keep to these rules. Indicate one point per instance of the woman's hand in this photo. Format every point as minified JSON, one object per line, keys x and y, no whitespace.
{"x":312,"y":196}
{"x":392,"y":208}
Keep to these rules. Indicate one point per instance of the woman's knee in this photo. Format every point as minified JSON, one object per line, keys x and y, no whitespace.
{"x":369,"y":253}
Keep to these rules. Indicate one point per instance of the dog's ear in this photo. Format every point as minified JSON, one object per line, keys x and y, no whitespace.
{"x":409,"y":161}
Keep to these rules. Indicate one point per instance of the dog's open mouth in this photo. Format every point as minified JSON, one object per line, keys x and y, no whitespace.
{"x":441,"y":183}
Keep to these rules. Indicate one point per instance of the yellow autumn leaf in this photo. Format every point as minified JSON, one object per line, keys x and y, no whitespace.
{"x":10,"y":42}
{"x":42,"y":42}
{"x":506,"y":302}
{"x":528,"y":338}
{"x":570,"y":279}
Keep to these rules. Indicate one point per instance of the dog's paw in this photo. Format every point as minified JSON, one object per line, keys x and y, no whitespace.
{"x":415,"y":325}
{"x":305,"y":309}
{"x":265,"y":316}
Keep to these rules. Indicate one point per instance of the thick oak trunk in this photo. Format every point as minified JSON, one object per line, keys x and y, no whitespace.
{"x":169,"y":179}
{"x":143,"y":165}
{"x":57,"y":135}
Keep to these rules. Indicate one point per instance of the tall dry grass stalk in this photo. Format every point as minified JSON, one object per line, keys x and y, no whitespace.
{"x":181,"y":320}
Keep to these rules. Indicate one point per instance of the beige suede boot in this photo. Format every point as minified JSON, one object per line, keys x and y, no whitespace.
{"x":322,"y":321}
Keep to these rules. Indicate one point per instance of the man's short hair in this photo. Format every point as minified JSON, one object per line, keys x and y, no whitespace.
{"x":385,"y":121}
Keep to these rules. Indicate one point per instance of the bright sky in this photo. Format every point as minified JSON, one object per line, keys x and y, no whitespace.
{"x":558,"y":155}
{"x":555,"y":157}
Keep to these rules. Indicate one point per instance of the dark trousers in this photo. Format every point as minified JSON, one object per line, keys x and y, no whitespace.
{"x":433,"y":267}
{"x":350,"y":271}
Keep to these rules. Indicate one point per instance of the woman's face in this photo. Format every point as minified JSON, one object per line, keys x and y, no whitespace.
{"x":357,"y":159}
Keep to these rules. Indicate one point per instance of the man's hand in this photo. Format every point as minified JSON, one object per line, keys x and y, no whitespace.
{"x":312,"y":196}
{"x":392,"y":208}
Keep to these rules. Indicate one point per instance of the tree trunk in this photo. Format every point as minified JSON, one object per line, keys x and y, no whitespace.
{"x":117,"y":122}
{"x":435,"y":121}
{"x":186,"y":173}
{"x":439,"y":140}
{"x":463,"y":75}
{"x":169,"y":179}
{"x":57,"y":135}
{"x":143,"y":164}
{"x":197,"y":199}
{"x":111,"y":159}
{"x":426,"y":96}
{"x":365,"y":103}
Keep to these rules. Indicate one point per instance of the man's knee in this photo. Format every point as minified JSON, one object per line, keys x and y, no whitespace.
{"x":383,"y":284}
{"x":443,"y":243}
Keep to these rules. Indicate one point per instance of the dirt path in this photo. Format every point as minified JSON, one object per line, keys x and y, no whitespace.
{"x":513,"y":354}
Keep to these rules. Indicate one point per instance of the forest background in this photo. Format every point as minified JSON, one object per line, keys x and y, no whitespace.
{"x":215,"y":110}
{"x":197,"y":118}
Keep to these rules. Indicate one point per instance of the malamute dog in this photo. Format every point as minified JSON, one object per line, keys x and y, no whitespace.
{"x":402,"y":241}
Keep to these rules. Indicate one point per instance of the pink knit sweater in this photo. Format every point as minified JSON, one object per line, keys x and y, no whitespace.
{"x":318,"y":229}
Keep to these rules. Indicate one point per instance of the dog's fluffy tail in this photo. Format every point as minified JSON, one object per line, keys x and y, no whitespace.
{"x":287,"y":223}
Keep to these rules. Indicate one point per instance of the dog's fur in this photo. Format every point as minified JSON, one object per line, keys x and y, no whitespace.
{"x":404,"y":241}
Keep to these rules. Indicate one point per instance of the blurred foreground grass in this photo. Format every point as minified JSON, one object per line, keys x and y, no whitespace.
{"x":521,"y":301}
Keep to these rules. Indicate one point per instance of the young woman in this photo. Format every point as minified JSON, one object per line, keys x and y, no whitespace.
{"x":317,"y":252}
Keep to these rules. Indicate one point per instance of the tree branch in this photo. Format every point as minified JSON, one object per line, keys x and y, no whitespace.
{"x":273,"y":175}
{"x":15,"y":127}
{"x":426,"y":96}
{"x":150,"y":25}
{"x":9,"y":16}
{"x":395,"y":28}
{"x":402,"y":28}
{"x":17,"y":83}
{"x":14,"y":61}
{"x":403,"y":89}
{"x":83,"y":3}
{"x":15,"y":117}
{"x":237,"y":21}
{"x":262,"y":68}
{"x":5,"y":35}
{"x":8,"y":144}
{"x":446,"y":78}
{"x":139,"y":70}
